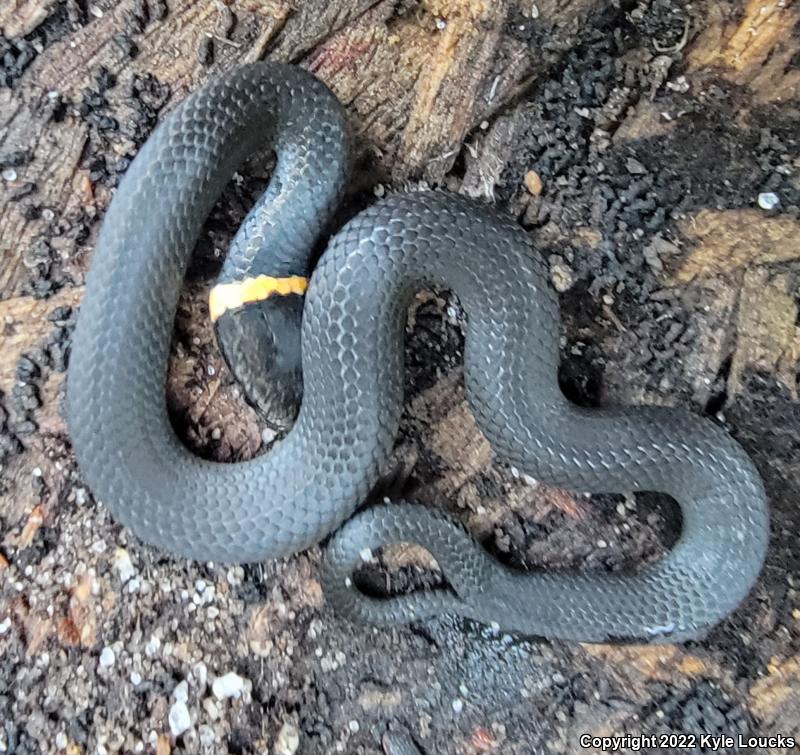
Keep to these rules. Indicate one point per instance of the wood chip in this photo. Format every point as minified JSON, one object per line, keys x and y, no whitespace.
{"x":67,"y":632}
{"x":725,"y":241}
{"x":533,"y":183}
{"x":32,"y":526}
{"x":82,"y":617}
{"x":482,"y":740}
{"x":566,"y":503}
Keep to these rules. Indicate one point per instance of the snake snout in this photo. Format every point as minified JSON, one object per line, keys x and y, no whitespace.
{"x":261,"y":346}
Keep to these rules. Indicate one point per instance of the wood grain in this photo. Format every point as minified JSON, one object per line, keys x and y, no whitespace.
{"x":416,"y":79}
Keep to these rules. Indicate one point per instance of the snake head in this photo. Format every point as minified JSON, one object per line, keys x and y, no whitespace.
{"x":261,"y":346}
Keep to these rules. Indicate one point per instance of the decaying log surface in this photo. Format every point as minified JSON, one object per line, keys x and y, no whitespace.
{"x":417,"y":78}
{"x":639,"y":142}
{"x":414,"y":89}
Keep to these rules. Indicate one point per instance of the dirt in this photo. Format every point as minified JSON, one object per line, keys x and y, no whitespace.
{"x":630,"y":143}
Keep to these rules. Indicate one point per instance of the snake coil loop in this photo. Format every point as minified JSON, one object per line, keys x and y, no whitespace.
{"x":352,"y":332}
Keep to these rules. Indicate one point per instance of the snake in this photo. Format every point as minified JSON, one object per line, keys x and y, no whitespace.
{"x":352,"y":310}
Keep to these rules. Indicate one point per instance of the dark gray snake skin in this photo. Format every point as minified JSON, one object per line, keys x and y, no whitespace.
{"x":352,"y":339}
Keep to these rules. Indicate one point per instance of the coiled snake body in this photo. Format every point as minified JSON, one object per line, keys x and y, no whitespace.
{"x":352,"y":336}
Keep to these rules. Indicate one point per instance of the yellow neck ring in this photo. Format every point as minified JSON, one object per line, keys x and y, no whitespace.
{"x":227,"y":296}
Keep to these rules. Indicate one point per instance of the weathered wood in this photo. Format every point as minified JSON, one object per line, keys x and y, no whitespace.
{"x":23,"y":323}
{"x":19,"y":17}
{"x":416,"y":81}
{"x":756,"y":48}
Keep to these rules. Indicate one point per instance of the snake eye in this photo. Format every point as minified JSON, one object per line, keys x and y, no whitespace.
{"x":261,"y":346}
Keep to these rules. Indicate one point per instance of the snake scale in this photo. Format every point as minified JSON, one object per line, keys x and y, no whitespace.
{"x":352,"y":357}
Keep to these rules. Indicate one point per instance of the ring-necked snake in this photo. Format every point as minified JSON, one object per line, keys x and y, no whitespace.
{"x":352,"y":360}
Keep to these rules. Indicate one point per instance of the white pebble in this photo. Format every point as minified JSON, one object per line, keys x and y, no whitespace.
{"x":136,"y":678}
{"x":152,"y":647}
{"x":229,"y":685}
{"x":107,"y":657}
{"x":123,"y":565}
{"x":10,"y":174}
{"x":211,"y":708}
{"x":353,"y":726}
{"x":207,"y":735}
{"x":200,"y":673}
{"x":768,"y":200}
{"x":61,"y":741}
{"x":181,"y":692}
{"x":179,"y":719}
{"x":288,"y":740}
{"x":458,"y":705}
{"x":562,"y":276}
{"x":366,"y":555}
